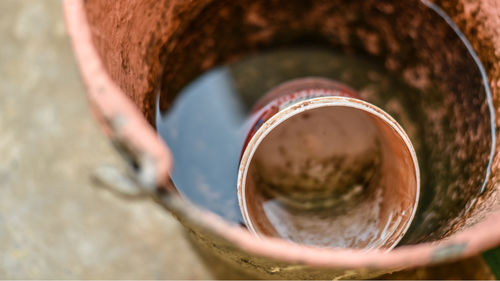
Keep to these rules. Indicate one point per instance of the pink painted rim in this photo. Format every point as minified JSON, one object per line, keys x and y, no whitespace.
{"x":108,"y":101}
{"x":117,"y":114}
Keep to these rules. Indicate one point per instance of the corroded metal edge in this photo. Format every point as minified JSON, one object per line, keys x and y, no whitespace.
{"x":118,"y":116}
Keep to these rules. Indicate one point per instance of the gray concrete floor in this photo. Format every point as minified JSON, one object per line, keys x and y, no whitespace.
{"x":55,"y":222}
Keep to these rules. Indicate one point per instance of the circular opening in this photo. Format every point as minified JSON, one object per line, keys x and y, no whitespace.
{"x":330,"y":171}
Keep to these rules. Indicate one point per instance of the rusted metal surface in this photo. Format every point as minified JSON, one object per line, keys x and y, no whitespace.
{"x":116,"y":112}
{"x":479,"y":22}
{"x":135,"y":48}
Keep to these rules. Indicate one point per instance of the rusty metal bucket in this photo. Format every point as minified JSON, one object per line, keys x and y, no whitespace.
{"x":128,"y":49}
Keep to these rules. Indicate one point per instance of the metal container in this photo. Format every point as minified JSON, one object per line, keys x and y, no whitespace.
{"x":126,"y":48}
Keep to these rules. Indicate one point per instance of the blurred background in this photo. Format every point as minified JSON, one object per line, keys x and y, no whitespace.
{"x":55,"y":221}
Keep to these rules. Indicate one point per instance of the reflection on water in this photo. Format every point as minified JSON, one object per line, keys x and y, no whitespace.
{"x":203,"y":130}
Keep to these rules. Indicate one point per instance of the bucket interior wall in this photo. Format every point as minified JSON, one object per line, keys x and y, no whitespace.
{"x":150,"y":46}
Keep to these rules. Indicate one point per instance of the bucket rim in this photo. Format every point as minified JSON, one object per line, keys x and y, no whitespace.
{"x":122,"y":121}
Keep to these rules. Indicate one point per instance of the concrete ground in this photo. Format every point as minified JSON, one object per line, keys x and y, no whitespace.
{"x":55,"y":222}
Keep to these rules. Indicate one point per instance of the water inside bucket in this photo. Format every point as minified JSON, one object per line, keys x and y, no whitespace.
{"x":204,"y":125}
